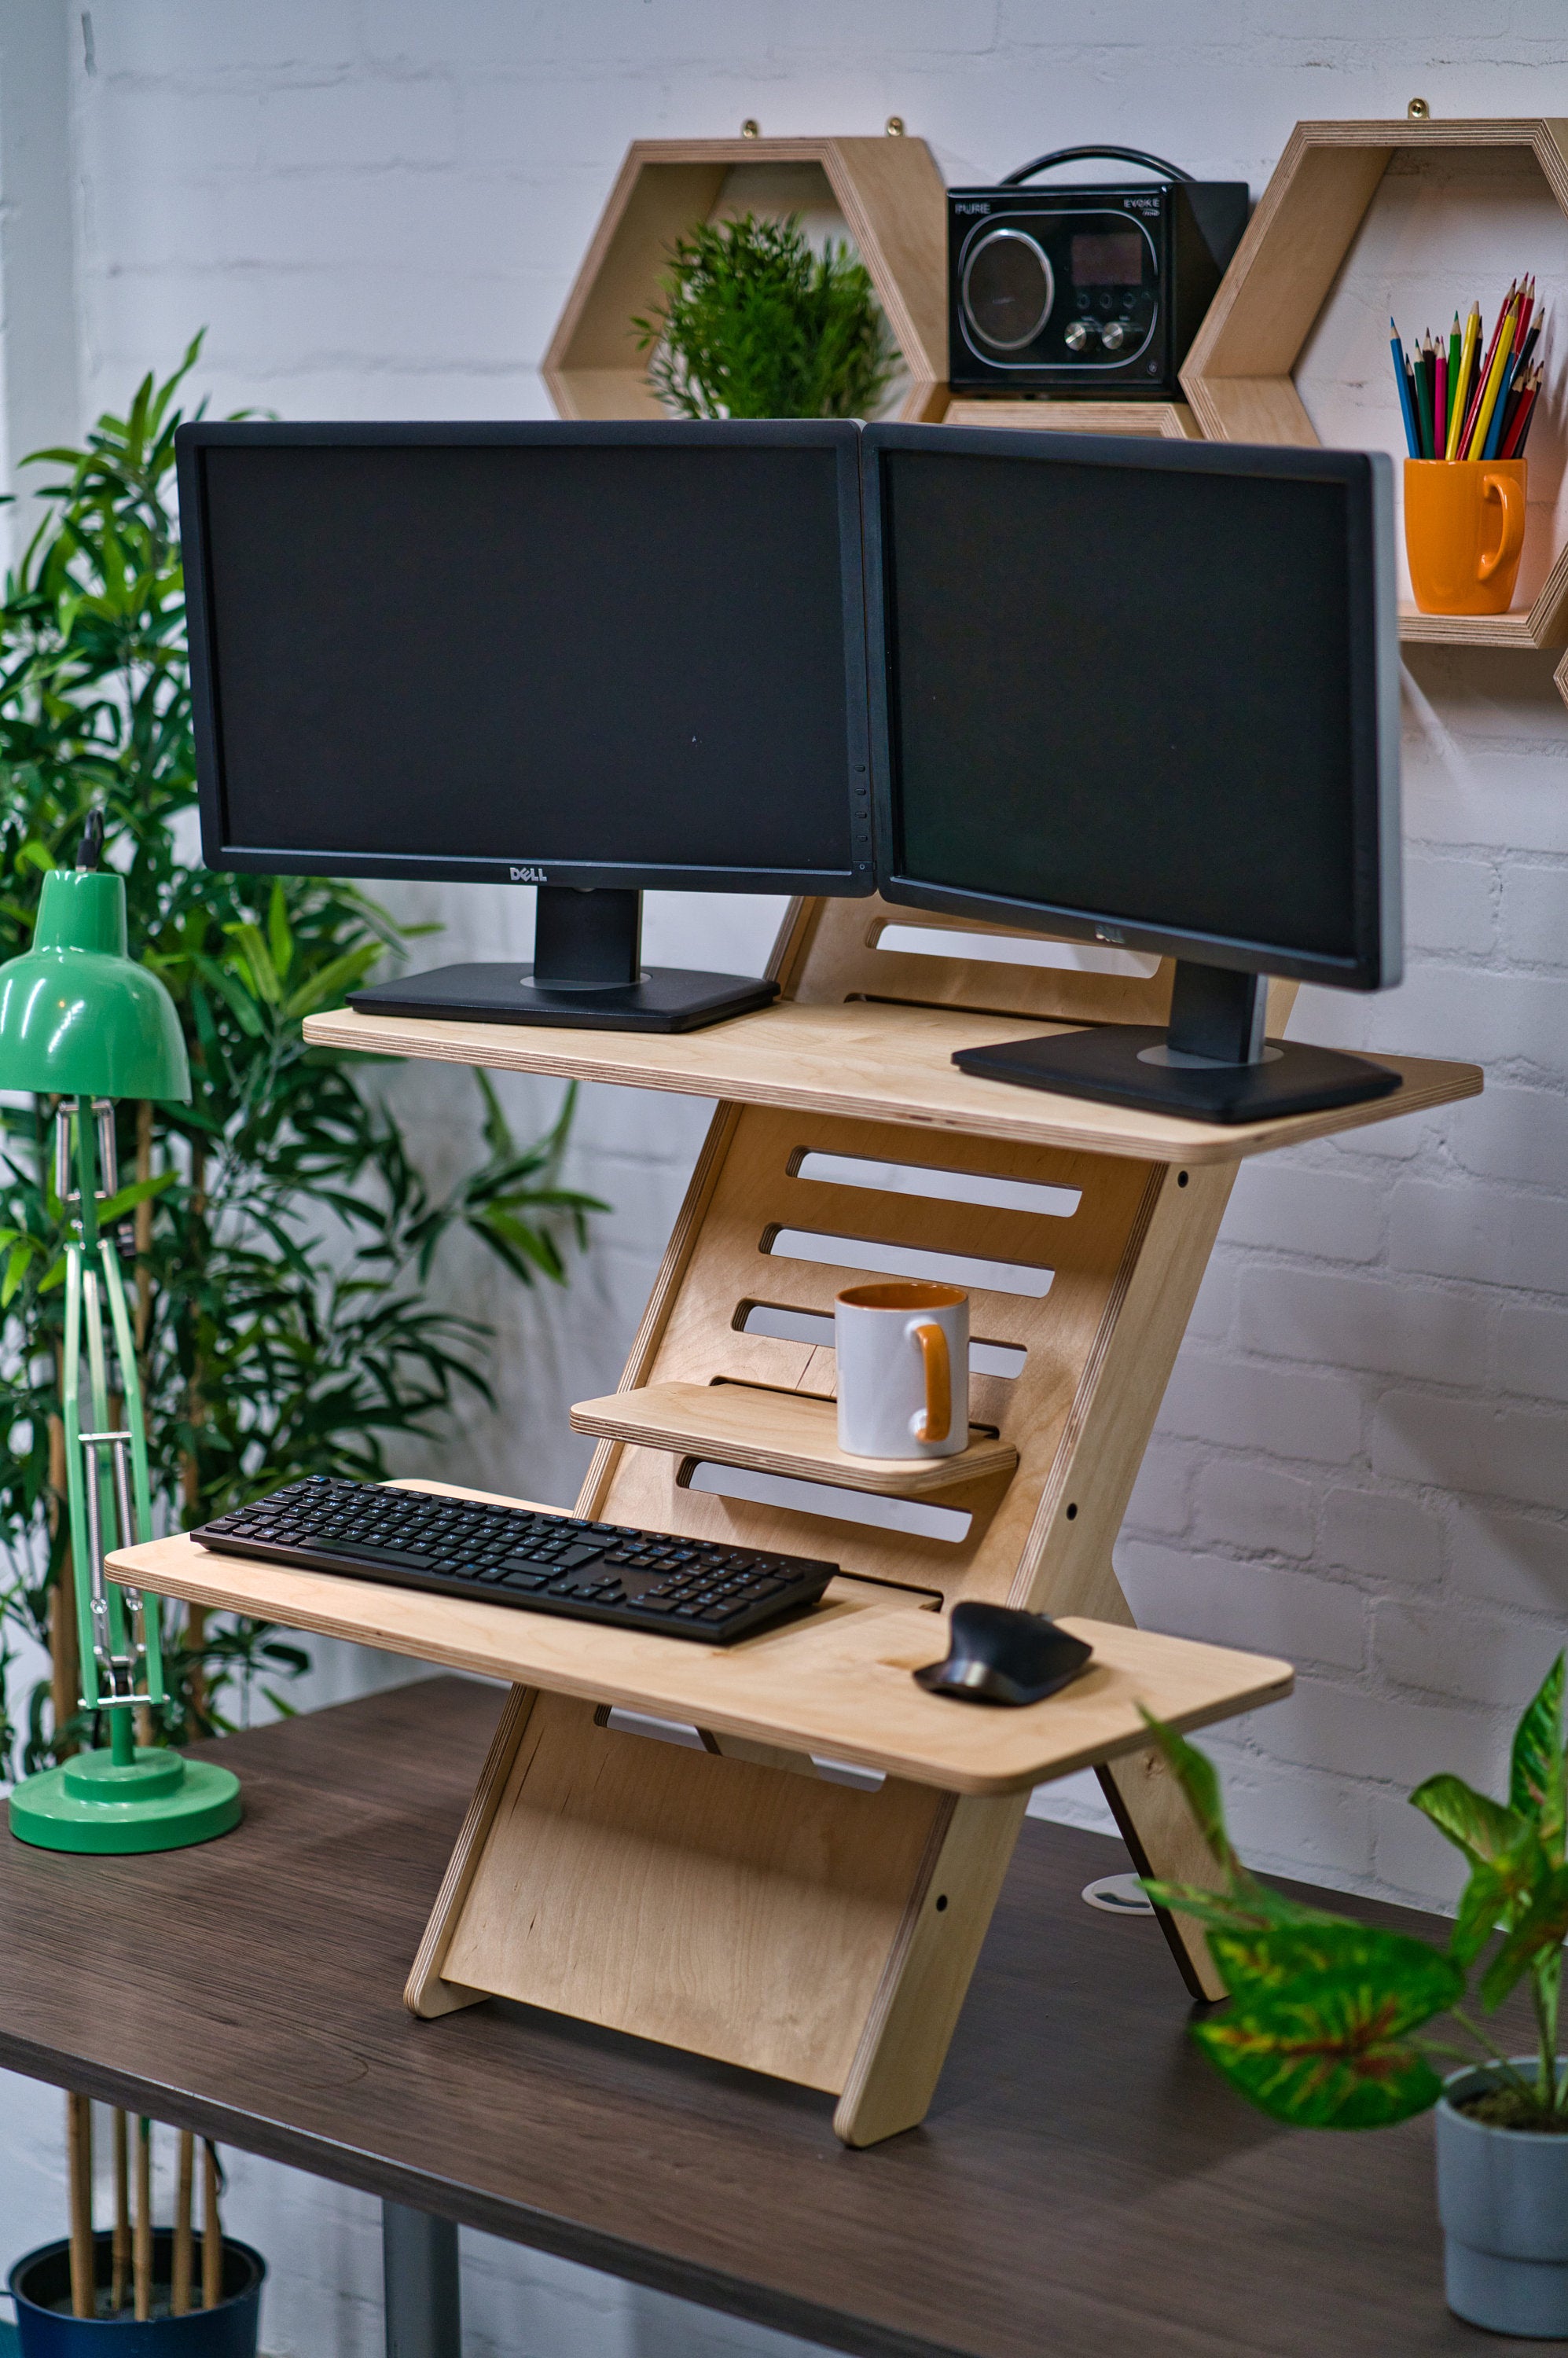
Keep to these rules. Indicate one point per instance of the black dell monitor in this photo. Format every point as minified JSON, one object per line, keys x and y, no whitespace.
{"x":1146,"y":694}
{"x":592,"y":659}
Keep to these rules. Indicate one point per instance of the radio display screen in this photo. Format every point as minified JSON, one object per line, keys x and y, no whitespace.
{"x":1108,"y":258}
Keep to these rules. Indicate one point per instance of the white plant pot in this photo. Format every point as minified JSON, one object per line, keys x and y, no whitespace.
{"x":1503,"y":2195}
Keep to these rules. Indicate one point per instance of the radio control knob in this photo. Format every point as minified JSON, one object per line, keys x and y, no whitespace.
{"x":1115,"y":334}
{"x":1075,"y":335}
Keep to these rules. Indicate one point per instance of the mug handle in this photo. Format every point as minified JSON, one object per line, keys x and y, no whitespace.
{"x":937,"y":1421}
{"x":1505,"y":489}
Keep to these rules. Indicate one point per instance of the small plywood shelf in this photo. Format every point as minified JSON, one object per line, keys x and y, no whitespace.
{"x":1159,"y":421}
{"x":1511,"y":630}
{"x":885,"y":1063}
{"x":778,"y":1432}
{"x":835,"y":1684}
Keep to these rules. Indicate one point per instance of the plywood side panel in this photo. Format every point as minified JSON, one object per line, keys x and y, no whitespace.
{"x":687,"y":1897}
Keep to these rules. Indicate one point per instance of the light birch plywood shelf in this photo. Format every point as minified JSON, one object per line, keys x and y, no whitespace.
{"x":835,"y":1683}
{"x":791,"y":1433}
{"x":1159,"y":421}
{"x":883,"y":1063}
{"x":1239,"y":375}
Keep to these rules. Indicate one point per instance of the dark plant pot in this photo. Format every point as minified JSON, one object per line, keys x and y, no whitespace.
{"x":40,"y":2287}
{"x":1503,"y":2198}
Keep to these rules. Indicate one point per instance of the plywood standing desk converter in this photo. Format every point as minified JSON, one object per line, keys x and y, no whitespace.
{"x":733,"y":1900}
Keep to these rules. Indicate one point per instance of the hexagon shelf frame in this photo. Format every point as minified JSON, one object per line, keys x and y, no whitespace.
{"x":1159,"y":421}
{"x":1239,"y":374}
{"x":893,"y":204}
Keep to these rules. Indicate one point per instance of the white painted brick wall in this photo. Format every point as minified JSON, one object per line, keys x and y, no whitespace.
{"x":377,"y":207}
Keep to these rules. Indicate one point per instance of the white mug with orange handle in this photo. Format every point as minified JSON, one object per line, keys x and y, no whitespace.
{"x":904,"y":1368}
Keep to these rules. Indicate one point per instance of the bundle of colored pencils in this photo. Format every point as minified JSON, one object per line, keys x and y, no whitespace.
{"x":1453,"y":409}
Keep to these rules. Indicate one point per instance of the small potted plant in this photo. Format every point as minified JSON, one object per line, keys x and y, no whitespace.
{"x":1328,"y":2021}
{"x":756,"y":324}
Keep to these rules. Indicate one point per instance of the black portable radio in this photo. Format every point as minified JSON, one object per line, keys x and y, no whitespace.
{"x":1086,"y":293}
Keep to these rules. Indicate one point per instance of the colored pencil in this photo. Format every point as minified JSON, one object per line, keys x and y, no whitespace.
{"x":1440,"y":404}
{"x":1500,"y":408}
{"x":1478,"y":442}
{"x":1484,"y":376}
{"x":1401,"y":378}
{"x":1424,"y":409}
{"x":1462,"y":383}
{"x":1513,"y":442}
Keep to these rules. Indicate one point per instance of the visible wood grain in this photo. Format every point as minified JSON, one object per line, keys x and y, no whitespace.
{"x":755,"y":1934}
{"x":1163,"y":421}
{"x":835,"y":1681}
{"x":893,"y":203}
{"x":891,"y":1063}
{"x":779,"y":1432}
{"x":1083,"y":2183}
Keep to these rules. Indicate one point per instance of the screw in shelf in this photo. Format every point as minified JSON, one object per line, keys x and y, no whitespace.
{"x":895,"y":126}
{"x":750,"y":128}
{"x":1419,"y":111}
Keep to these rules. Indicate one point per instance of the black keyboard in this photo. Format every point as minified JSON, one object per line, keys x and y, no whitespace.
{"x":509,"y":1556}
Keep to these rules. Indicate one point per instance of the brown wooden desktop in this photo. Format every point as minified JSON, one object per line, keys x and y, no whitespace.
{"x":1084,"y":2184}
{"x":732,"y":1900}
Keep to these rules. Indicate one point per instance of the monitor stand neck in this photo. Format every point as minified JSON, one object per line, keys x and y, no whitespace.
{"x":586,"y":940}
{"x":587,"y":975}
{"x":1211,"y":1063}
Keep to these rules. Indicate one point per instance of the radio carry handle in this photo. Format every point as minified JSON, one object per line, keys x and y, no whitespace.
{"x":1083,"y":155}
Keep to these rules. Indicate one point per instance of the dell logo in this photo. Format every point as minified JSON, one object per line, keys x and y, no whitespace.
{"x":529,"y":876}
{"x":1110,"y":934}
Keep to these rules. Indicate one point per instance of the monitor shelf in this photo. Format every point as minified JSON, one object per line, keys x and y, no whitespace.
{"x":879,"y":1061}
{"x":779,"y":1432}
{"x":835,"y":1684}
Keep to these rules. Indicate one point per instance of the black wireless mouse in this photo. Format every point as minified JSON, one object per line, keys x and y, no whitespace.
{"x":998,"y":1655}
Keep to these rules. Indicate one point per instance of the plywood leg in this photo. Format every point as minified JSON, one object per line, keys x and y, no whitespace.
{"x":923,"y":1982}
{"x":1159,"y":1832}
{"x":426,"y":1993}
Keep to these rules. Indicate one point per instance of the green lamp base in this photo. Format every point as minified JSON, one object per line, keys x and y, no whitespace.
{"x":155,"y":1802}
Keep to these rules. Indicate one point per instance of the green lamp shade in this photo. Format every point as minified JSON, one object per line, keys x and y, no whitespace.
{"x":78,"y":1017}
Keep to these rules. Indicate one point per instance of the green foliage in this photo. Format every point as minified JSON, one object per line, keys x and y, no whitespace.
{"x":1324,"y":2026}
{"x":754,"y":324}
{"x":281,"y":1233}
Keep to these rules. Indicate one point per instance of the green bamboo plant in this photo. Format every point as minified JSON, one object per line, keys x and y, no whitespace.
{"x":755,"y":324}
{"x":280,"y":1232}
{"x":1327,"y":2025}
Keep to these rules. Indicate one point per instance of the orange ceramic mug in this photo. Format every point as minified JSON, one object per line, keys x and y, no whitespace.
{"x":1465,"y":533}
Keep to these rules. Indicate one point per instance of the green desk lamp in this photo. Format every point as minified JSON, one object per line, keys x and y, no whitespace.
{"x":79,"y":1020}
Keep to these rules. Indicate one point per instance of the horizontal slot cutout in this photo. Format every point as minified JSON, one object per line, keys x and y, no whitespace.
{"x":913,"y":1518}
{"x":688,"y":1738}
{"x":816,"y":1327}
{"x":1015,"y":950}
{"x":940,"y":1186}
{"x":907,"y":1261}
{"x":643,"y":1723}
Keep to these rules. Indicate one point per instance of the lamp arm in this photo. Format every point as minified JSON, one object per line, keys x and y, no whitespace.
{"x":135,"y":1424}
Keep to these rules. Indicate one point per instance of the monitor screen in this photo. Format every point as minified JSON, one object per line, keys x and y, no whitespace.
{"x":1139,"y":690}
{"x":596,"y":655}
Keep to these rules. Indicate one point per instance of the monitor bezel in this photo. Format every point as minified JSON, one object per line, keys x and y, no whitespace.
{"x":1366,"y":477}
{"x":192,"y":441}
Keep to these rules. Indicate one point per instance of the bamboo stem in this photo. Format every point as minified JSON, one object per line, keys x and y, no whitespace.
{"x":141,"y":2266}
{"x":142,"y":1217}
{"x":120,"y":2247}
{"x":180,"y":2271}
{"x":211,"y":2229}
{"x":78,"y":2161}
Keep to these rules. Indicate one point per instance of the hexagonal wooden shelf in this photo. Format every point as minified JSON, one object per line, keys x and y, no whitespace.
{"x":1239,"y":374}
{"x":893,"y":204}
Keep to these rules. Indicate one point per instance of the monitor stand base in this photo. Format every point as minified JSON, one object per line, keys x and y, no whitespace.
{"x":1211,"y":1063}
{"x":1132,"y":1064}
{"x":665,"y":998}
{"x":588,"y":976}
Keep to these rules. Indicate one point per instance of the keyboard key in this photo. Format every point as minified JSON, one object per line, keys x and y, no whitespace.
{"x":724,"y":1612}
